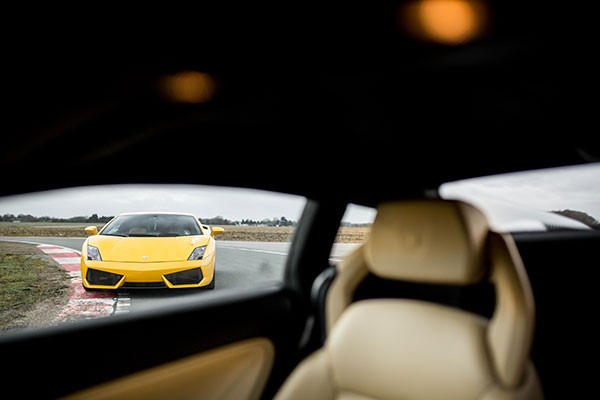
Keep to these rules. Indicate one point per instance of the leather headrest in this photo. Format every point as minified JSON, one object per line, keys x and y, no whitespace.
{"x":436,"y":241}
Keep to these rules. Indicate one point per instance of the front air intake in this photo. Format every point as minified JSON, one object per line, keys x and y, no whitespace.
{"x":96,"y":277}
{"x":187,"y":277}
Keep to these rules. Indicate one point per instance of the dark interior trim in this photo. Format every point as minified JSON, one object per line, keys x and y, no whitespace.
{"x":105,"y":349}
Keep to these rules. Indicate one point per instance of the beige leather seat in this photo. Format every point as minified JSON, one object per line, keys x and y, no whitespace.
{"x":137,"y":231}
{"x":412,"y":349}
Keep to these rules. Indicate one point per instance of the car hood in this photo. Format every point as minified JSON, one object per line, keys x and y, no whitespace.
{"x":146,"y":249}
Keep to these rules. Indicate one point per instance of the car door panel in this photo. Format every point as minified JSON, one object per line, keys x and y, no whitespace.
{"x":561,"y":266}
{"x":71,"y":357}
{"x":235,"y":371}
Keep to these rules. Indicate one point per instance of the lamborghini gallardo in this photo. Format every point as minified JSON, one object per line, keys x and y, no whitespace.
{"x":149,"y":250}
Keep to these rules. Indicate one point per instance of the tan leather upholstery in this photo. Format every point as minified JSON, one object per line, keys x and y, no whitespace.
{"x":137,"y":231}
{"x":236,"y":371}
{"x":411,"y":349}
{"x":445,"y":247}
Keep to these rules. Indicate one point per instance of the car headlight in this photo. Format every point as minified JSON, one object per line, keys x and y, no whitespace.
{"x":197,"y":254}
{"x":93,"y":253}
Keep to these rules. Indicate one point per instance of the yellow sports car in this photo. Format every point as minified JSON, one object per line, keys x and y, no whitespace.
{"x":149,"y":250}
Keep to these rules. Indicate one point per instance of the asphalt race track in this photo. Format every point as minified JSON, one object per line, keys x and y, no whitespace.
{"x":240,"y":265}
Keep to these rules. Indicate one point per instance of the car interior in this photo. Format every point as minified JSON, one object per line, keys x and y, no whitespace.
{"x":417,"y":348}
{"x":341,"y":105}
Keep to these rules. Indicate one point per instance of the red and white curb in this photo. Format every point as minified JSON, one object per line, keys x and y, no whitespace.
{"x":82,"y":304}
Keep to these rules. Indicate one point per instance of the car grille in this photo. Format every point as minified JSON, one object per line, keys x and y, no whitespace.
{"x":144,"y":285}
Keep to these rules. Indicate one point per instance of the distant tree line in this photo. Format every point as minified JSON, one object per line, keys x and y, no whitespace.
{"x":94,"y":218}
{"x":218,"y":220}
{"x":31,"y":218}
{"x":581,"y":217}
{"x":281,"y":221}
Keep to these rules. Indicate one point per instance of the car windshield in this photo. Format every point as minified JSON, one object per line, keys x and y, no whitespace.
{"x":152,"y":225}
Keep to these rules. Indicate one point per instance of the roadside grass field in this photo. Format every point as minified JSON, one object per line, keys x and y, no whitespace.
{"x":46,"y":229}
{"x":29,"y":279}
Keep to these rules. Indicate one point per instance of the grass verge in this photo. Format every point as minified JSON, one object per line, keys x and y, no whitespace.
{"x":28,"y":277}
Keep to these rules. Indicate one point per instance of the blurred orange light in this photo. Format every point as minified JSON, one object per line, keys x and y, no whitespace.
{"x":188,"y":87}
{"x":445,"y":21}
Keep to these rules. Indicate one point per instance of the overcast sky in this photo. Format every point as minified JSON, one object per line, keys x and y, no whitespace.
{"x":576,"y":188}
{"x":202,"y":201}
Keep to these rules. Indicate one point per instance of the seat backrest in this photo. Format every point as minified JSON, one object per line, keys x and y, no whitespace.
{"x":137,"y":231}
{"x":405,"y":348}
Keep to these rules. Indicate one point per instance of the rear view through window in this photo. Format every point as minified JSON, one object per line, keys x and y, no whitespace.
{"x":542,"y":200}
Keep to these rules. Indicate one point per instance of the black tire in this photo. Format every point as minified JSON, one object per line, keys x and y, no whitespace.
{"x":211,"y":285}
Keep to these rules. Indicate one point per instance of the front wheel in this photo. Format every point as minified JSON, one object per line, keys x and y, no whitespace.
{"x":211,"y":285}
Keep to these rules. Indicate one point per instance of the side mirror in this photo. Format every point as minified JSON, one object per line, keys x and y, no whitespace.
{"x":216,"y":231}
{"x":91,"y":230}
